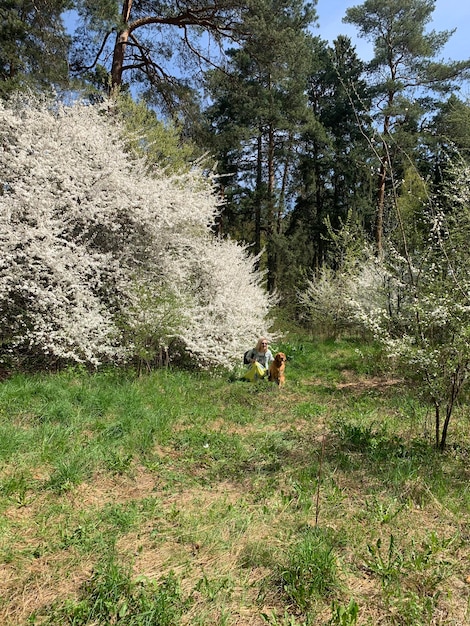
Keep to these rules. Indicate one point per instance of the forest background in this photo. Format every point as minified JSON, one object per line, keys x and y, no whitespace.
{"x":225,"y":160}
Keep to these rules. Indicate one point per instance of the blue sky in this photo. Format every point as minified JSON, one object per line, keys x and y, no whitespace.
{"x":448,"y":14}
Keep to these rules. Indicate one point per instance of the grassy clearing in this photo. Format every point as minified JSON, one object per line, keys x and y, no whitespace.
{"x":184,"y":499}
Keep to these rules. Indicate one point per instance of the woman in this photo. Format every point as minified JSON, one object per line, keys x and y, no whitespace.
{"x":259,"y":358}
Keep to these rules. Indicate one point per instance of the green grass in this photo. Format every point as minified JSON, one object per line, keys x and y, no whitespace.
{"x":189,"y":499}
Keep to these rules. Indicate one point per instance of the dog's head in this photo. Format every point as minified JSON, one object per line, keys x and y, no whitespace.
{"x":280,"y":358}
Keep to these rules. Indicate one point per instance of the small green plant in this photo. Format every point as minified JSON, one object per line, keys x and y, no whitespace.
{"x":68,"y":473}
{"x":359,"y":436}
{"x":285,"y":620}
{"x":344,"y":615}
{"x":384,"y":512}
{"x":388,"y":563}
{"x":118,"y":463}
{"x":411,"y":577}
{"x":311,"y":570}
{"x":212,"y":587}
{"x":412,"y":609}
{"x":16,"y":487}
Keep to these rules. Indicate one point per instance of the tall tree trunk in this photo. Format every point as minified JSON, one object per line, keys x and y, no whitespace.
{"x":442,"y":443}
{"x":120,"y":47}
{"x":379,"y":218}
{"x":271,"y":220}
{"x":318,"y":244}
{"x":384,"y":161}
{"x":282,"y":192}
{"x":437,"y":423}
{"x":258,"y":192}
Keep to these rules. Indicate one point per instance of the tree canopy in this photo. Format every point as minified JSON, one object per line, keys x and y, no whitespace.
{"x":149,"y":43}
{"x":33,"y":44}
{"x":258,"y":113}
{"x":404,"y":72}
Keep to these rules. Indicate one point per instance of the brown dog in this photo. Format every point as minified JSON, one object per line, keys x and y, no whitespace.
{"x":277,"y":369}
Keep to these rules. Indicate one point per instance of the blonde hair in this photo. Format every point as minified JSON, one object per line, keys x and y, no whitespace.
{"x":259,"y":347}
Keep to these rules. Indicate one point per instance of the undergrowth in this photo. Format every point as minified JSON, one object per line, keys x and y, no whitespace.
{"x":189,"y":499}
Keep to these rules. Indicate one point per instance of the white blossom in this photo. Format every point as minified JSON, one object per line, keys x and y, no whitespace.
{"x":99,"y":258}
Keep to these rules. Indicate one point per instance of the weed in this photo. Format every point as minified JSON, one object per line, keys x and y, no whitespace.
{"x":68,"y":473}
{"x":384,"y":512}
{"x":411,"y":577}
{"x":371,"y":438}
{"x":412,"y":609}
{"x":213,"y":587}
{"x":111,"y":595}
{"x":344,"y":616}
{"x":117,"y":463}
{"x":386,"y":563}
{"x":285,"y":620}
{"x":311,"y":569}
{"x":18,"y":487}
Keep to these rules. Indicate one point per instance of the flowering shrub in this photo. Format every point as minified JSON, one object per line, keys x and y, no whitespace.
{"x":102,"y":261}
{"x":332,"y":297}
{"x":416,"y":301}
{"x":333,"y":300}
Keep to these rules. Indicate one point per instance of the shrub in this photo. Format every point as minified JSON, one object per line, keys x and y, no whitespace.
{"x":103,"y":261}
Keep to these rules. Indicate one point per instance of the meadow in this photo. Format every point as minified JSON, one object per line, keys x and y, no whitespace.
{"x":193,"y":499}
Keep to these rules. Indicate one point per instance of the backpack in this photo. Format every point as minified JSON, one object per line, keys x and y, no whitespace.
{"x":246,"y":360}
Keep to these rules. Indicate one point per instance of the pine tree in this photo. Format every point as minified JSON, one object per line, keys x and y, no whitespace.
{"x":259,"y":111}
{"x":33,"y":44}
{"x":333,"y":175}
{"x":405,"y":74}
{"x":152,"y":44}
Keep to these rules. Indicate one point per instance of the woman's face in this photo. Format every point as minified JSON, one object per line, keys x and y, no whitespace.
{"x":264,"y":346}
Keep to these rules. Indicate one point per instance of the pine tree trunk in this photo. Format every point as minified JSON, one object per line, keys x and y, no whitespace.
{"x":258,"y":193}
{"x":384,"y":161}
{"x":379,"y":221}
{"x":120,"y":48}
{"x":271,"y":248}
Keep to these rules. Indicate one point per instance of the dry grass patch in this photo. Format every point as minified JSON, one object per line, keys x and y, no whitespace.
{"x":361,"y":383}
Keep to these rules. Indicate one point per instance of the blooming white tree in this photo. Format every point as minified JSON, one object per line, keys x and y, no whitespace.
{"x":102,"y":261}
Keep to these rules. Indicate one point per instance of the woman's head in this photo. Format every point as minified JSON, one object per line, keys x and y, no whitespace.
{"x":262,"y":344}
